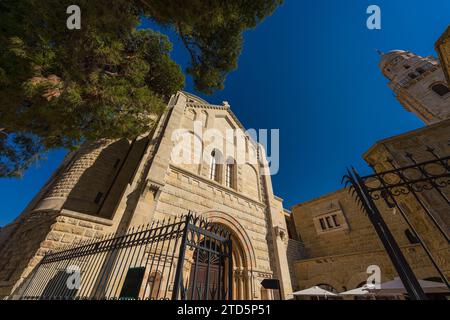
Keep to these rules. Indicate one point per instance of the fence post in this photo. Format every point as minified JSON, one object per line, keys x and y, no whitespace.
{"x":230,"y":269}
{"x":179,"y":272}
{"x":394,"y":252}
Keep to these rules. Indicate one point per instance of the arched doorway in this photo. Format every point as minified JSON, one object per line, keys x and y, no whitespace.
{"x":208,"y":273}
{"x":243,"y":254}
{"x":207,"y":276}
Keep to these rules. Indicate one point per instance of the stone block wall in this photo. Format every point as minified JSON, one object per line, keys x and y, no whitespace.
{"x":206,"y":196}
{"x":416,"y":143}
{"x":360,"y":235}
{"x":295,"y":251}
{"x":148,"y":186}
{"x":40,"y":233}
{"x":346,"y":272}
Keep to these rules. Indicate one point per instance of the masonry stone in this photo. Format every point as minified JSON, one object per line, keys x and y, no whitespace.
{"x":110,"y":186}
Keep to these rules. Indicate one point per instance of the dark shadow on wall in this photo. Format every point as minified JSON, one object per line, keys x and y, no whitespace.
{"x":22,"y":247}
{"x":91,"y":189}
{"x":57,"y":288}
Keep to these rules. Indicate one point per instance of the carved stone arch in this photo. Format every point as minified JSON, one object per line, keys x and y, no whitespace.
{"x":246,"y":184}
{"x":195,"y":162}
{"x":324,"y":279}
{"x":236,"y":228}
{"x":202,"y":147}
{"x":216,"y":167}
{"x":231,"y":176}
{"x":203,"y":116}
{"x":244,"y":258}
{"x":191,"y":114}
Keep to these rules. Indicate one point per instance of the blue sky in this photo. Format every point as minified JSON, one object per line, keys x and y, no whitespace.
{"x":310,"y":70}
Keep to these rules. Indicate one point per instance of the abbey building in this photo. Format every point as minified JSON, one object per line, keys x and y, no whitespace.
{"x":109,"y":186}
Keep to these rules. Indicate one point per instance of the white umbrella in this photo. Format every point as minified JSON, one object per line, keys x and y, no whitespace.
{"x":396,"y":287}
{"x":315,"y":291}
{"x":362,"y":291}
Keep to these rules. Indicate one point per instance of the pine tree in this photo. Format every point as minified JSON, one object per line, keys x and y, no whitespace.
{"x":60,"y":87}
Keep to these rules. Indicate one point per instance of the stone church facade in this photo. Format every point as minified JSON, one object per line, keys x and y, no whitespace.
{"x":111,"y":186}
{"x":339,"y":242}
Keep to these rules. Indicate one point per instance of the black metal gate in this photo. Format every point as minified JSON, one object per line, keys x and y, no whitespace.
{"x":180,"y":258}
{"x":424,"y":186}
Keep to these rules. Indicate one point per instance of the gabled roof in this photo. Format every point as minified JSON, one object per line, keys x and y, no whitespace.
{"x":196,"y":102}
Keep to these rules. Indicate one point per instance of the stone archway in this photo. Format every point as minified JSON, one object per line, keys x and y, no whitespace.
{"x":241,"y":276}
{"x":243,"y":254}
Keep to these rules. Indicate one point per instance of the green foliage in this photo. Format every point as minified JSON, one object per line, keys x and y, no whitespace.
{"x":60,"y":87}
{"x":211,"y":31}
{"x":17,"y":152}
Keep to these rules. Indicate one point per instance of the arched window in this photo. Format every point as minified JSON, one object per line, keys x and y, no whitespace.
{"x":440,"y":89}
{"x":420,"y":70}
{"x":230,"y":176}
{"x":212,"y":166}
{"x":215,"y":166}
{"x":412,"y":75}
{"x":203,"y":117}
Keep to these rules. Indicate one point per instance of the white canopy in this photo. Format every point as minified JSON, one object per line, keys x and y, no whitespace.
{"x":396,"y":287}
{"x":362,"y":291}
{"x":314,"y":291}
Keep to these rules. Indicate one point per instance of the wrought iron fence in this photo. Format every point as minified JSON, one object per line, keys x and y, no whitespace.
{"x":422,"y":185}
{"x":419,"y":180}
{"x":184,"y":258}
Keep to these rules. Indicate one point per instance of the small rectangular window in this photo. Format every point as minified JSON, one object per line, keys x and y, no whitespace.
{"x":132,"y":283}
{"x":335,"y":220}
{"x":322,"y":224}
{"x":98,"y":197}
{"x":329,"y":224}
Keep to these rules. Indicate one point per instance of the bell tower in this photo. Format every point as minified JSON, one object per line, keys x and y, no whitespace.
{"x":418,"y":83}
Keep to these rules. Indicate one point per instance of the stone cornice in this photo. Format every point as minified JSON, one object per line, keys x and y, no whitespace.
{"x":324,"y":197}
{"x":217,"y":107}
{"x":216,"y":185}
{"x":86,"y":217}
{"x":415,"y":132}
